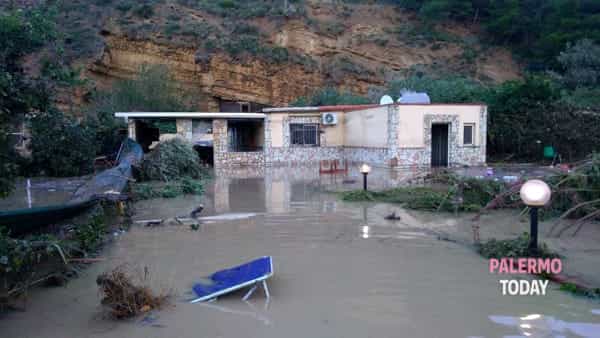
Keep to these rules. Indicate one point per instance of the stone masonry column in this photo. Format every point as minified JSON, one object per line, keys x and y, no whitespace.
{"x":392,"y":136}
{"x":220,"y":142}
{"x":184,"y":128}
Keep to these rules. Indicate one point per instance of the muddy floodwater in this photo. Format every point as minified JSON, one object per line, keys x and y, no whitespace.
{"x":42,"y":192}
{"x":341,"y":270}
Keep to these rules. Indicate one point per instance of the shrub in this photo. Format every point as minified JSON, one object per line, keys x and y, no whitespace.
{"x":172,"y":28}
{"x":150,"y":190}
{"x":89,"y":236}
{"x":191,"y":186}
{"x":144,"y":11}
{"x":171,"y":160}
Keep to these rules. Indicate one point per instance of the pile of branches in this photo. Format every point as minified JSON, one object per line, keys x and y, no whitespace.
{"x":171,"y":160}
{"x":575,"y":196}
{"x":125,"y":296}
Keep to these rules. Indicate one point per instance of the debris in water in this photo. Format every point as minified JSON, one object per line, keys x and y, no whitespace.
{"x":196,"y":211}
{"x":154,"y":223}
{"x":393,"y":217}
{"x":227,"y":217}
{"x":125,"y":296}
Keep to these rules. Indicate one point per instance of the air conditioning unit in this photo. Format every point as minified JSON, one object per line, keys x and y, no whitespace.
{"x":329,"y":119}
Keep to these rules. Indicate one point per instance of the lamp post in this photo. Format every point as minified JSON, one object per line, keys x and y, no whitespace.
{"x":365,"y":169}
{"x":535,"y":194}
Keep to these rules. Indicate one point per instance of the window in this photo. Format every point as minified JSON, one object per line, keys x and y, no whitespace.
{"x":304,"y":134}
{"x":469,"y":133}
{"x":244,"y":107}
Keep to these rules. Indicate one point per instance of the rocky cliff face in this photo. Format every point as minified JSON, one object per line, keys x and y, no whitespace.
{"x":253,"y":80}
{"x":357,"y":48}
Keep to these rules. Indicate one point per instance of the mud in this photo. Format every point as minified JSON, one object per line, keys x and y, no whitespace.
{"x":341,"y":270}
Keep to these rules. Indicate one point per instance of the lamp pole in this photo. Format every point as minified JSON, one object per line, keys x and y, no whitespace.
{"x":533,"y":231}
{"x":535,"y":194}
{"x":365,"y":169}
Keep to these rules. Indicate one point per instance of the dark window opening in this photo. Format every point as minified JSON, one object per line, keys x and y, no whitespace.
{"x":468,"y":134}
{"x":245,"y":107}
{"x":304,"y":134}
{"x":240,"y":106}
{"x":439,"y":145}
{"x":205,"y":154}
{"x":245,"y":135}
{"x":146,"y":133}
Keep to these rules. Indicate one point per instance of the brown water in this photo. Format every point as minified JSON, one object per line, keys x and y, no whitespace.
{"x":341,"y":270}
{"x":42,"y":192}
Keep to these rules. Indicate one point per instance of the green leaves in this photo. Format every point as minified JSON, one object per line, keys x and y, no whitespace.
{"x":60,"y":145}
{"x":329,"y":96}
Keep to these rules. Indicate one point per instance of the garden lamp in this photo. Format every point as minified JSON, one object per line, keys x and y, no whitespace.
{"x":365,"y":169}
{"x":535,"y":194}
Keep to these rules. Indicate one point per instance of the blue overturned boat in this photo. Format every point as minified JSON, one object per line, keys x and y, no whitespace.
{"x":253,"y":273}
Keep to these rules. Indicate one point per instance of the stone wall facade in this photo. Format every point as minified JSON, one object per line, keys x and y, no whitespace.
{"x":392,"y":155}
{"x":301,"y":155}
{"x":458,"y":154}
{"x":290,"y":154}
{"x":225,"y":158}
{"x":363,"y":154}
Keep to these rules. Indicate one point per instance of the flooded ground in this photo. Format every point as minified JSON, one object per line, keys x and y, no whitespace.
{"x":42,"y":192}
{"x":341,"y":270}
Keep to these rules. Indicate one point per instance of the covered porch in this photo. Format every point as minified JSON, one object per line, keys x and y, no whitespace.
{"x":221,"y":139}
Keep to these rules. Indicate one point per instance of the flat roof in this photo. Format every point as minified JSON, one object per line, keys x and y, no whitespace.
{"x":357,"y":107}
{"x":346,"y":107}
{"x":197,"y":115}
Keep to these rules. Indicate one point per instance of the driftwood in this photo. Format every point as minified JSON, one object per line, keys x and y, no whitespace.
{"x":500,"y":200}
{"x":125,"y":296}
{"x":579,"y":188}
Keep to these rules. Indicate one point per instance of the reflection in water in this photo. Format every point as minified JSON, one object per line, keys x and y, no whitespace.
{"x":227,"y":217}
{"x":252,"y":313}
{"x":329,"y":280}
{"x":42,"y":192}
{"x":536,"y":325}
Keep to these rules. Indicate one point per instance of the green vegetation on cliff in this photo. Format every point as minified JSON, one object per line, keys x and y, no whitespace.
{"x":536,"y":29}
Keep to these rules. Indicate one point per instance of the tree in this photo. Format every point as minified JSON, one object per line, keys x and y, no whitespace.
{"x":21,"y":33}
{"x":61,"y":145}
{"x":444,"y":90}
{"x":581,"y":64}
{"x":153,"y":89}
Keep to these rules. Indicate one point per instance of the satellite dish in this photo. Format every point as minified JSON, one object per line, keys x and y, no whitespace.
{"x":386,"y":99}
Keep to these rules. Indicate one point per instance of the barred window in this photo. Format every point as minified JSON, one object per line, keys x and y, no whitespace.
{"x":304,"y":134}
{"x":468,"y":133}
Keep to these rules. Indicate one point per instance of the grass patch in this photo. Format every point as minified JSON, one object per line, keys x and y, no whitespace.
{"x":514,"y":248}
{"x":579,"y":291}
{"x":448,"y":193}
